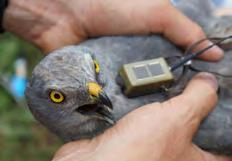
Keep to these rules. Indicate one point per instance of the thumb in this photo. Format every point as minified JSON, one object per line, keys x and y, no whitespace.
{"x":197,"y":100}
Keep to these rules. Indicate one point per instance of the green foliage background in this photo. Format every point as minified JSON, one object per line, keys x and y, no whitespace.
{"x":22,"y":138}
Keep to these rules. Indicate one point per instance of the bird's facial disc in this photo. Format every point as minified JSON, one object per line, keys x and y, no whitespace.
{"x":65,"y":90}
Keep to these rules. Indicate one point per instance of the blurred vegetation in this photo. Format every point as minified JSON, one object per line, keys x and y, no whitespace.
{"x":22,"y":138}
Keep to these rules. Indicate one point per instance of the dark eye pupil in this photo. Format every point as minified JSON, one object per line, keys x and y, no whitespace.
{"x":57,"y":96}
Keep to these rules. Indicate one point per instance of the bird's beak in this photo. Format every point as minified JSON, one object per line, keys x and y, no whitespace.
{"x":104,"y":99}
{"x":96,"y":90}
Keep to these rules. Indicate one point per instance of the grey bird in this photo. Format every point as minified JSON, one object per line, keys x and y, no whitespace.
{"x":72,"y":88}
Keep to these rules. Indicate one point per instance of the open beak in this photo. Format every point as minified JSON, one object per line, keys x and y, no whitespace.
{"x":96,"y":91}
{"x":104,"y":106}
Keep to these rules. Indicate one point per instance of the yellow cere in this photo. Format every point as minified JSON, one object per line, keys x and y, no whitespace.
{"x":94,"y":89}
{"x":56,"y":97}
{"x":97,"y":66}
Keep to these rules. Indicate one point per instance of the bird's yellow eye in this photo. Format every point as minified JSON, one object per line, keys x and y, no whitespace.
{"x":56,"y":97}
{"x":97,"y":66}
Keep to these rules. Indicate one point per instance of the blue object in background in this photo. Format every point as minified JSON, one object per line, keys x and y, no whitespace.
{"x":174,"y":2}
{"x":223,"y":3}
{"x":19,"y":79}
{"x":218,"y":2}
{"x":18,"y":85}
{"x":227,"y":3}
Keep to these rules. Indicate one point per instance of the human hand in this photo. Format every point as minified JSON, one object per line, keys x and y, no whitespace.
{"x":54,"y":24}
{"x":155,"y":132}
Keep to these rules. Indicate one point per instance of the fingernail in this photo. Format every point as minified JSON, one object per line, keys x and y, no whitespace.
{"x":210,"y":78}
{"x":217,"y":50}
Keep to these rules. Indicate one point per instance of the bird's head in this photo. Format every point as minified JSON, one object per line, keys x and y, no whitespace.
{"x":66,"y":94}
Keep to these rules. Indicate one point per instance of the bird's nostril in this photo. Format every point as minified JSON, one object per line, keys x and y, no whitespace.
{"x":87,"y":109}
